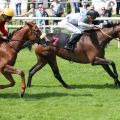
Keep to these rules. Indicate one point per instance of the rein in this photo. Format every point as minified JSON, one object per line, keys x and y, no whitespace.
{"x":108,"y":35}
{"x":105,"y":33}
{"x":12,"y":47}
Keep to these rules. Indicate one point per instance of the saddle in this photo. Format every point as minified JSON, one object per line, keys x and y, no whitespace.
{"x":61,"y":39}
{"x":58,"y":39}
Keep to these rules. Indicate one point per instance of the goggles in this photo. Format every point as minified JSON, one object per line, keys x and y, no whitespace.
{"x":9,"y":17}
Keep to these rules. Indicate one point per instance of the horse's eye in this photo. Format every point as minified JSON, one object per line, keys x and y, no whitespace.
{"x":38,"y":31}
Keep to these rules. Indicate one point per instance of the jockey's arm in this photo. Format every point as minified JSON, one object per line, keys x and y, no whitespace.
{"x":3,"y":37}
{"x":86,"y":26}
{"x":72,"y":21}
{"x":3,"y":30}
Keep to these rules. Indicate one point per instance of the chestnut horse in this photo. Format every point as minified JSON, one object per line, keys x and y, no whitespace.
{"x":9,"y":50}
{"x":90,"y":48}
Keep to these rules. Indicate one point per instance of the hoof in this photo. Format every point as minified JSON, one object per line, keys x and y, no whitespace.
{"x":21,"y":95}
{"x":117,"y":83}
{"x":22,"y":92}
{"x":2,"y":87}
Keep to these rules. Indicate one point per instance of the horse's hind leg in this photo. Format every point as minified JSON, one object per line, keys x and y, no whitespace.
{"x":53,"y":64}
{"x":40,"y":64}
{"x":105,"y":64}
{"x":9,"y":77}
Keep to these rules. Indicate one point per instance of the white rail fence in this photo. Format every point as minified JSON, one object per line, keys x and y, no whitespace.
{"x":51,"y":26}
{"x":23,"y":19}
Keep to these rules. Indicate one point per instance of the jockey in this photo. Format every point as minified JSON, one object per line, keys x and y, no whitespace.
{"x":77,"y":25}
{"x":5,"y":17}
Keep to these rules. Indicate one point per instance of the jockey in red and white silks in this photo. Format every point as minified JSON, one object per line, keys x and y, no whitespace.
{"x":5,"y":17}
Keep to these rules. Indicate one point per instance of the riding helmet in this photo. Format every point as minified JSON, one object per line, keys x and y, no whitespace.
{"x":92,"y":13}
{"x":8,"y":12}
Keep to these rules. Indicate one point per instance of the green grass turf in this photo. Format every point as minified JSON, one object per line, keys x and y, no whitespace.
{"x":94,"y":97}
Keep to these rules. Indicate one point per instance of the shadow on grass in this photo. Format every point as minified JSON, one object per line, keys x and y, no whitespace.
{"x":82,"y":86}
{"x":38,"y":96}
{"x":41,"y":95}
{"x":95,"y":86}
{"x":52,"y":86}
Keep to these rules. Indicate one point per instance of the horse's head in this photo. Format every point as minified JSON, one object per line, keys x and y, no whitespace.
{"x":117,"y":29}
{"x":114,"y":27}
{"x":32,"y":36}
{"x":26,"y":36}
{"x":34,"y":32}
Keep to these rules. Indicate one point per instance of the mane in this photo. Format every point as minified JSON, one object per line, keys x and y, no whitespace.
{"x":11,"y":35}
{"x":108,"y":25}
{"x":111,"y":24}
{"x":16,"y":30}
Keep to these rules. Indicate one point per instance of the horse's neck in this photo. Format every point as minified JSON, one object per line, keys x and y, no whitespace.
{"x":105,"y":36}
{"x":18,"y":38}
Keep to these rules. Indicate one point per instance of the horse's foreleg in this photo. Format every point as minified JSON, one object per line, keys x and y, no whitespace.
{"x":53,"y":64}
{"x":9,"y":77}
{"x":13,"y":70}
{"x":34,"y":69}
{"x":105,"y":64}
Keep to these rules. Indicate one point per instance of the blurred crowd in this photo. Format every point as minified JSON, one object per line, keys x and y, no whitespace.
{"x":58,"y":8}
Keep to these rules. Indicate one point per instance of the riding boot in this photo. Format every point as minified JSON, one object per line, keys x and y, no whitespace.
{"x":72,"y":41}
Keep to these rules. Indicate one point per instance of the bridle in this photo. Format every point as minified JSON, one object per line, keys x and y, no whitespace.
{"x":104,"y":33}
{"x":36,"y":32}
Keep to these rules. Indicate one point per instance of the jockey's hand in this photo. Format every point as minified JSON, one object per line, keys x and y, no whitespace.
{"x":4,"y":39}
{"x":100,"y":26}
{"x":91,"y":26}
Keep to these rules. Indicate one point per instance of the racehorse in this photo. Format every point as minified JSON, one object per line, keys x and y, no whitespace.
{"x":90,"y":48}
{"x":9,"y":50}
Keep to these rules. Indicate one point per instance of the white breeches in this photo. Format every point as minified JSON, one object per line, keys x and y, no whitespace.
{"x":65,"y":24}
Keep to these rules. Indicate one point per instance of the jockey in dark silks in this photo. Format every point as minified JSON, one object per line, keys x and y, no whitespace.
{"x":78,"y":24}
{"x":5,"y":17}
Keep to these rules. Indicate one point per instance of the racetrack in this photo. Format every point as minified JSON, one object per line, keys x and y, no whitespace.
{"x":94,"y":97}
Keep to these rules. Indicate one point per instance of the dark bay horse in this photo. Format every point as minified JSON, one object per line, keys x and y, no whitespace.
{"x":9,"y":50}
{"x":89,"y":49}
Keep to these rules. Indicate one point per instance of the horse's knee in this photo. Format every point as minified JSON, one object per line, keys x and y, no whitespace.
{"x":31,"y":73}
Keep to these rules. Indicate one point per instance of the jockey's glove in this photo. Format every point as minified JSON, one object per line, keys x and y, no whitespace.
{"x":4,"y":39}
{"x":91,"y":26}
{"x":100,"y":26}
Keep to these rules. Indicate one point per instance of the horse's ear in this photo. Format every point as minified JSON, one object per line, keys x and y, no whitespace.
{"x":29,"y":24}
